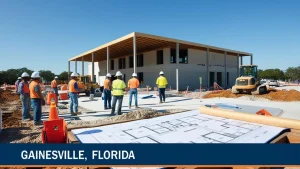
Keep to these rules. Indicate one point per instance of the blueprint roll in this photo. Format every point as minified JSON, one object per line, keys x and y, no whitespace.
{"x":253,"y":118}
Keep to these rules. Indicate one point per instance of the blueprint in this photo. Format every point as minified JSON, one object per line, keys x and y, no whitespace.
{"x":186,"y":127}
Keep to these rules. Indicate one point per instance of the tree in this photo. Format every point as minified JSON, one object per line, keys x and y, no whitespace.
{"x":275,"y":74}
{"x":63,"y":75}
{"x":293,"y":73}
{"x":11,"y":75}
{"x":47,"y":75}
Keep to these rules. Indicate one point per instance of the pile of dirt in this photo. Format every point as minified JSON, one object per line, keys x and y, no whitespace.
{"x":275,"y":95}
{"x":8,"y":96}
{"x":11,"y":119}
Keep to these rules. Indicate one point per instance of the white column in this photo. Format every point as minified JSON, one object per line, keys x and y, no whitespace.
{"x":134,"y":53}
{"x":107,"y":59}
{"x":225,"y":68}
{"x":82,"y":71}
{"x":93,"y":68}
{"x":177,"y":65}
{"x":207,"y":66}
{"x":68,"y":70}
{"x":75,"y":66}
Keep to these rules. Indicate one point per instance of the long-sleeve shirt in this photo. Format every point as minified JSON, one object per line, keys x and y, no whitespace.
{"x":21,"y":87}
{"x":17,"y":85}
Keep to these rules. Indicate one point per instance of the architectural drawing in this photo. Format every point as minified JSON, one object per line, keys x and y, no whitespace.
{"x":186,"y":127}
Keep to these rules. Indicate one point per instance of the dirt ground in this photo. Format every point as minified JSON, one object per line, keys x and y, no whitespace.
{"x":276,"y":95}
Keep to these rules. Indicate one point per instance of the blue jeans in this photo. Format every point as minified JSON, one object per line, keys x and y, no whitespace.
{"x":25,"y":98}
{"x":73,"y":102}
{"x":37,"y":109}
{"x":135,"y":93}
{"x":107,"y":98}
{"x":55,"y":90}
{"x":114,"y":102}
{"x":162,"y":95}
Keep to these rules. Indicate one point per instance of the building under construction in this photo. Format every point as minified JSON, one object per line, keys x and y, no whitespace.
{"x":147,"y":55}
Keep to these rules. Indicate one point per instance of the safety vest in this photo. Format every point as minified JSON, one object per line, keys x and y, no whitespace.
{"x":118,"y":86}
{"x":25,"y":87}
{"x":72,"y":86}
{"x":33,"y":94}
{"x":106,"y":84}
{"x":162,"y":82}
{"x":53,"y":84}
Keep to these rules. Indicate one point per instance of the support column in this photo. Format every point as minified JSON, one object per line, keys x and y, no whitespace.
{"x":93,"y":68}
{"x":225,"y":69}
{"x":82,"y":71}
{"x":107,"y":59}
{"x":238,"y":66}
{"x":251,"y":60}
{"x":68,"y":70}
{"x":75,"y":66}
{"x":207,"y":66}
{"x":134,"y":53}
{"x":177,"y":66}
{"x":241,"y":59}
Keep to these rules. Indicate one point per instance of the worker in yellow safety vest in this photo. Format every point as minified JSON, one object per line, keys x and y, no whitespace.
{"x":118,"y":87}
{"x":161,"y":83}
{"x":36,"y":98}
{"x":73,"y":94}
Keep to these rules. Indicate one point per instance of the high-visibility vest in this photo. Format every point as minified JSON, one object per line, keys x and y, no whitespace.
{"x":162,"y":82}
{"x":53,"y":84}
{"x":72,"y":86}
{"x":106,"y":84}
{"x":118,"y":86}
{"x":33,"y":94}
{"x":25,"y":87}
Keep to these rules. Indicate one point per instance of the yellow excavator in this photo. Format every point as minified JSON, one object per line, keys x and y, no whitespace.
{"x":248,"y":81}
{"x":87,"y":85}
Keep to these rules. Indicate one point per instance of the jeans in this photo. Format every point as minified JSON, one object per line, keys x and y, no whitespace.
{"x":162,"y":95}
{"x":115,"y":99}
{"x":55,"y":90}
{"x":25,"y":98}
{"x":73,"y":102}
{"x":37,"y":109}
{"x":107,"y":98}
{"x":135,"y":93}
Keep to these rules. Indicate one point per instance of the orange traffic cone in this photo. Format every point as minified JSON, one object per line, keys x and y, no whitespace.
{"x":53,"y":114}
{"x":50,"y":96}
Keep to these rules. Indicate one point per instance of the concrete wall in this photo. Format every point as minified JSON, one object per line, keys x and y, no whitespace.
{"x":188,"y":73}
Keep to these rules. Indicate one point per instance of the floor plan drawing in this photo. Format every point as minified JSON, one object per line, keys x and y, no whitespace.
{"x":186,"y":127}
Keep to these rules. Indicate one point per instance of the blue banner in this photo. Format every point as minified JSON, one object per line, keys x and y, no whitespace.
{"x":150,"y":154}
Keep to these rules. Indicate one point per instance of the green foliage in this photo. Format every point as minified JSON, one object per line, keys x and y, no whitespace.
{"x":47,"y":75}
{"x":293,"y":73}
{"x":11,"y":75}
{"x":275,"y":74}
{"x":63,"y":75}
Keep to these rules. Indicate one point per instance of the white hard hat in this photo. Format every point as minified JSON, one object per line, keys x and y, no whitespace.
{"x":118,"y":73}
{"x":108,"y":75}
{"x":161,"y":72}
{"x":35,"y":75}
{"x":25,"y":74}
{"x":55,"y":77}
{"x":134,"y":74}
{"x":74,"y":74}
{"x":19,"y":78}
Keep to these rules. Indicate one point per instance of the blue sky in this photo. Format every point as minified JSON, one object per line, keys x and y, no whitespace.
{"x":43,"y":35}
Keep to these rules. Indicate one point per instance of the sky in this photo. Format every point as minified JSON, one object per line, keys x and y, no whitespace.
{"x":43,"y":35}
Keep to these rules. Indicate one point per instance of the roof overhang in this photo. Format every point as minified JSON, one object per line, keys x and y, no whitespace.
{"x":144,"y":43}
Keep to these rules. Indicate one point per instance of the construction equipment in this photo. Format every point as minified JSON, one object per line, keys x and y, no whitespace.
{"x":87,"y":85}
{"x":248,"y":81}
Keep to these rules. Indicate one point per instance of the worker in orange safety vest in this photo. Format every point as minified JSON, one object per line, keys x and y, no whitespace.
{"x":54,"y":86}
{"x":73,"y":94}
{"x":133,"y":84}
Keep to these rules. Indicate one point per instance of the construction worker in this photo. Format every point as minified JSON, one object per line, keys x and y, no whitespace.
{"x":107,"y":92}
{"x":54,"y":86}
{"x":23,"y":89}
{"x":133,"y":84}
{"x":17,"y":84}
{"x":118,"y":87}
{"x":73,"y":93}
{"x":36,"y":97}
{"x":161,"y":83}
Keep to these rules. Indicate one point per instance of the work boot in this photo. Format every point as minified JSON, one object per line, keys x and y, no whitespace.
{"x":129,"y":107}
{"x":38,"y":123}
{"x":137,"y":107}
{"x":78,"y":113}
{"x":73,"y":114}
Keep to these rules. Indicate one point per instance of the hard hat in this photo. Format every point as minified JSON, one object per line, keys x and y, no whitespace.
{"x":118,"y":73}
{"x":25,"y":74}
{"x":161,"y":72}
{"x":19,"y":78}
{"x":134,"y":74}
{"x":35,"y":75}
{"x":108,"y":75}
{"x":55,"y":77}
{"x":74,"y":74}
